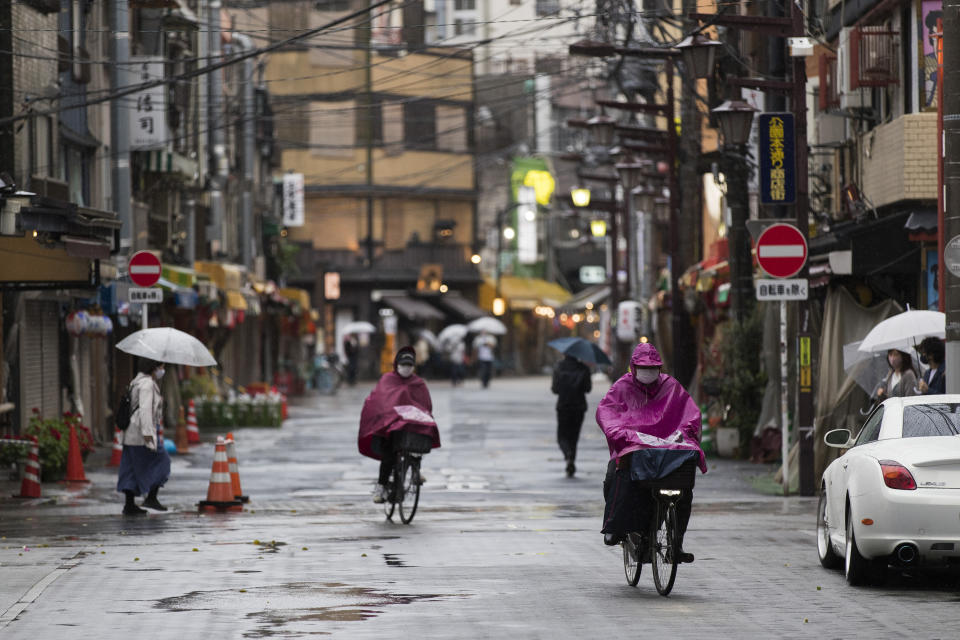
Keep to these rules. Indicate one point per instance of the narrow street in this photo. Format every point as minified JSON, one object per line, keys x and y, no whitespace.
{"x":503,"y":546}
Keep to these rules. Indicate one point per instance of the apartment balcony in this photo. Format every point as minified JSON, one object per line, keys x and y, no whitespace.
{"x":899,"y":160}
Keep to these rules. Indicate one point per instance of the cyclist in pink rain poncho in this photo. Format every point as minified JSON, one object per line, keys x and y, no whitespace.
{"x":646,"y":409}
{"x":400,"y":402}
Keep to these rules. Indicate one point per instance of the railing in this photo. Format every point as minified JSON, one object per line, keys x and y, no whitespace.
{"x":873,"y":59}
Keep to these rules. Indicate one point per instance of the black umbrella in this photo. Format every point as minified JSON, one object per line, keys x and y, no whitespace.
{"x":581,"y":349}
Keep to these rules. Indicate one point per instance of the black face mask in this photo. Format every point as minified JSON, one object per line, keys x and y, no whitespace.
{"x":923,"y":359}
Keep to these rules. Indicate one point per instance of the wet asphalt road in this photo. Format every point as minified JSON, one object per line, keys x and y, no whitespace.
{"x":503,"y":546}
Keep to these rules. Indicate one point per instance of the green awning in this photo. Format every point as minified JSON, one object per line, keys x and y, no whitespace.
{"x":179,"y":276}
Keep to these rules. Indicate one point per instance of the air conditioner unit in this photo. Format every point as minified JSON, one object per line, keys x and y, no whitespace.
{"x":830,"y":128}
{"x":850,"y":98}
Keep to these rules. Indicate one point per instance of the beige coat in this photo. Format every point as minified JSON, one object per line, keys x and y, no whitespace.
{"x":147,"y":407}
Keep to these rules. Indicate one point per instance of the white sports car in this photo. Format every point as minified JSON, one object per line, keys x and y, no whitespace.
{"x":893,"y":496}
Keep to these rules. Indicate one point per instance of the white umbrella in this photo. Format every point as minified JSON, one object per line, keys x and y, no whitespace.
{"x":904,"y":331}
{"x":166,"y":344}
{"x":359,"y":326}
{"x":452,"y":333}
{"x":430,"y":337}
{"x":488,"y":324}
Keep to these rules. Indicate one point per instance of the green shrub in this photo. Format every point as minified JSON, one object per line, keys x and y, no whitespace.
{"x":744,"y":380}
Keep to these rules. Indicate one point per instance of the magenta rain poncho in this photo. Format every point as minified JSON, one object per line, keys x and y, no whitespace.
{"x":636,"y":416}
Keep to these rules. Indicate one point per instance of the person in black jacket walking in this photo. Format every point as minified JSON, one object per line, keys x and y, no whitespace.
{"x":571,"y":383}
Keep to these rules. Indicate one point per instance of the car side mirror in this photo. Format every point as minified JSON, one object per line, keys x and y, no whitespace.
{"x":837,"y":438}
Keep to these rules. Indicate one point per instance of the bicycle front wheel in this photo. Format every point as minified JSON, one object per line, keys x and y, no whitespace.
{"x":410,"y":479}
{"x":631,"y":558}
{"x":665,"y":537}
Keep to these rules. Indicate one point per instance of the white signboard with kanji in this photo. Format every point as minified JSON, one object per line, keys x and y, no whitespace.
{"x":293,"y":199}
{"x":148,"y":108}
{"x":526,"y":225}
{"x":781,"y":289}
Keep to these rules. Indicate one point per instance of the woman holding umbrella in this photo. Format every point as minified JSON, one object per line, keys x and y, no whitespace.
{"x":145,"y":464}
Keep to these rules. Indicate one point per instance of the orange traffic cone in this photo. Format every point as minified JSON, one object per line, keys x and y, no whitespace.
{"x":220,"y":493}
{"x":234,"y":470}
{"x":117,"y":454}
{"x":193,"y":433}
{"x":181,"y":436}
{"x":75,"y":460}
{"x":30,"y":487}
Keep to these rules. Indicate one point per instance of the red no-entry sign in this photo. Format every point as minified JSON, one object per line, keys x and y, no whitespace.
{"x":144,"y":269}
{"x":781,"y":250}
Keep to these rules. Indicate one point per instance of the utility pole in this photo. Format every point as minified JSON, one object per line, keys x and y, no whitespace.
{"x":120,"y":124}
{"x":688,"y":248}
{"x":951,"y":187}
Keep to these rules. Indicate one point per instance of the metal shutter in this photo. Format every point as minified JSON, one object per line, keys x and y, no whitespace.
{"x":31,"y":360}
{"x":51,"y":359}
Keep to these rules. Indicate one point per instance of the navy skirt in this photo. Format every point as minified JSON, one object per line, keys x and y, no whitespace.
{"x":142,"y":469}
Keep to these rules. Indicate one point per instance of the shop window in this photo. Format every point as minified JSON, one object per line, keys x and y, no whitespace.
{"x":420,"y":125}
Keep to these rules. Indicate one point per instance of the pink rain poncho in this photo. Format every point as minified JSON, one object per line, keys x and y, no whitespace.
{"x":661,"y":415}
{"x":396,"y":403}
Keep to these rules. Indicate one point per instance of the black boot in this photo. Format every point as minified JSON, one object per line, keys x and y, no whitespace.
{"x":151,"y":502}
{"x":130,"y":508}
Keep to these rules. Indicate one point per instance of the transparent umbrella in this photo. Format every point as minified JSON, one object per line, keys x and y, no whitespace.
{"x":488,"y":324}
{"x":904,"y":331}
{"x":452,"y":333}
{"x":359,"y":326}
{"x":166,"y":344}
{"x":867,"y":369}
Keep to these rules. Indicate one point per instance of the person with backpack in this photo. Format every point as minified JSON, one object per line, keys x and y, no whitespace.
{"x":571,"y":383}
{"x":145,"y":463}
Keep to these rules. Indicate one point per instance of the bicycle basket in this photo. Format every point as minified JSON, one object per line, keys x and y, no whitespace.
{"x":411,"y":442}
{"x":664,"y":468}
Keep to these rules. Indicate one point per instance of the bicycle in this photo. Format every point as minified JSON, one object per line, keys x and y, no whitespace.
{"x":662,"y":548}
{"x":404,"y":486}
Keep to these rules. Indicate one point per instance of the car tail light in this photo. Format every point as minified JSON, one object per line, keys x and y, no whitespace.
{"x":896,"y":476}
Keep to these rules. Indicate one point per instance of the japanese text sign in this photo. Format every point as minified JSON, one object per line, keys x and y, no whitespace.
{"x":776,"y":158}
{"x":293,"y":199}
{"x":148,"y":111}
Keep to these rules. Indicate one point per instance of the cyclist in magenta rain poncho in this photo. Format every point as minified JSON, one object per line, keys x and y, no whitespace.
{"x":400,"y":401}
{"x":645,"y":409}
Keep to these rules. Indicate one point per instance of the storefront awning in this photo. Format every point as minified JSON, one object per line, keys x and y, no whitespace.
{"x":588,"y":298}
{"x":297,"y":296}
{"x":236,"y":301}
{"x":223,"y":274}
{"x":922,"y":221}
{"x":183,"y":277}
{"x":461,"y":306}
{"x":412,"y":309}
{"x":523,"y":294}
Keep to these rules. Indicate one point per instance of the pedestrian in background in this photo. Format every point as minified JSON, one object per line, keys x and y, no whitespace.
{"x":571,"y":383}
{"x":901,"y":380}
{"x":144,"y":464}
{"x":350,"y":352}
{"x":934,"y":379}
{"x":483,"y":346}
{"x":458,"y":354}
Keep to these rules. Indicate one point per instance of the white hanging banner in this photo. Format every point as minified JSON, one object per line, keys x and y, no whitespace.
{"x":293,"y":199}
{"x":148,"y":115}
{"x":526,"y":225}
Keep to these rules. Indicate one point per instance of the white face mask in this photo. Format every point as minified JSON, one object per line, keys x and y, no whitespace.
{"x":158,"y":373}
{"x":646,"y":376}
{"x":405,"y":370}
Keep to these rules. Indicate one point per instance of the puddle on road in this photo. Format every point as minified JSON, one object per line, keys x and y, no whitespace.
{"x":393,"y":560}
{"x":275,"y":608}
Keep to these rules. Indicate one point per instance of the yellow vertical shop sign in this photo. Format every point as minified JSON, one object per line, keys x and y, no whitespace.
{"x":806,"y":373}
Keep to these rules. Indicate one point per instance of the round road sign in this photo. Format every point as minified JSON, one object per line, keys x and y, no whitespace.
{"x":144,"y":269}
{"x":781,"y":250}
